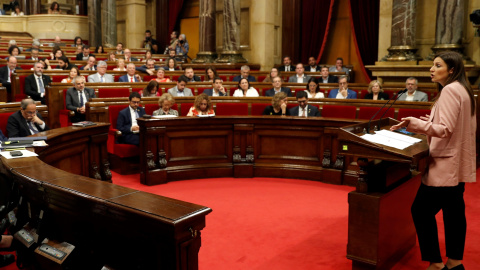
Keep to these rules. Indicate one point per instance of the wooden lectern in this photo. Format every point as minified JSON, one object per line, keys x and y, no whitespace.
{"x":380,"y":227}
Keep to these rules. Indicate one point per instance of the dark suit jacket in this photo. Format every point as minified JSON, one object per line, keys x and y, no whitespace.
{"x":4,"y":76}
{"x":381,"y":96}
{"x":83,"y":67}
{"x":330,"y":79}
{"x":250,"y":78}
{"x":72,"y":102}
{"x":2,"y":137}
{"x":132,"y":59}
{"x":271,"y":92}
{"x":17,"y":125}
{"x":282,"y":68}
{"x":209,"y":92}
{"x":311,"y":111}
{"x":124,"y":123}
{"x":195,"y":79}
{"x":144,"y":67}
{"x":124,"y":78}
{"x":31,"y":88}
{"x":80,"y":56}
{"x":317,"y":68}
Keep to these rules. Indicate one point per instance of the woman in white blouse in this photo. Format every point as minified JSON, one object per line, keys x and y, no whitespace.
{"x":244,"y":89}
{"x":120,"y":65}
{"x":313,"y":89}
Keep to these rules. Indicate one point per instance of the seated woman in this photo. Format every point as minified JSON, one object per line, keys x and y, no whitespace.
{"x":172,"y":64}
{"x":120,"y":65}
{"x":74,"y":72}
{"x":99,"y":49}
{"x":112,"y":57}
{"x":46,"y":63}
{"x":56,"y":53}
{"x":13,"y":51}
{"x":313,"y":89}
{"x":16,"y":11}
{"x":78,"y":41}
{"x":375,"y":91}
{"x":244,"y":89}
{"x":64,"y":63}
{"x":148,"y":55}
{"x":166,"y":101}
{"x":54,"y":8}
{"x":279,"y":105}
{"x":202,"y":106}
{"x":274,"y":72}
{"x":161,"y":76}
{"x":150,"y":90}
{"x":210,"y":74}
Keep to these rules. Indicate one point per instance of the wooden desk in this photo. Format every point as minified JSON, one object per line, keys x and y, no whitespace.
{"x":107,"y":224}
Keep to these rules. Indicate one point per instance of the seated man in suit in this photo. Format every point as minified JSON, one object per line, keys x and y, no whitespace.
{"x":287,"y":64}
{"x":342,"y":92}
{"x":6,"y":72}
{"x":130,"y":76}
{"x":35,"y":45}
{"x":127,"y":120}
{"x":101,"y":76}
{"x":84,"y":54}
{"x":218,"y":90}
{"x":76,"y":98}
{"x":312,"y":65}
{"x":180,"y":90}
{"x":119,"y":48}
{"x":149,"y":67}
{"x":190,"y":75}
{"x":245,"y":74}
{"x":27,"y":121}
{"x":128,"y":56}
{"x":326,"y":78}
{"x":90,"y":64}
{"x":339,"y":67}
{"x":34,"y":55}
{"x":277,"y":88}
{"x":304,"y":110}
{"x":35,"y":83}
{"x":300,"y":77}
{"x":412,"y":93}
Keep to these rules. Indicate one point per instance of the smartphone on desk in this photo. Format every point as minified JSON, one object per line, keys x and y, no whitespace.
{"x":16,"y":153}
{"x":404,"y":131}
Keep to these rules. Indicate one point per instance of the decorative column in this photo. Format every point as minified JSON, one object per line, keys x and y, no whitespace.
{"x":403,"y":32}
{"x":95,"y":22}
{"x":449,"y":27}
{"x":231,"y":33}
{"x":35,"y":7}
{"x":109,"y":25}
{"x":206,"y":48}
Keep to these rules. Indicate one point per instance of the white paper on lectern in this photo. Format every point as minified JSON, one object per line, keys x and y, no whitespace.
{"x":25,"y":153}
{"x":398,"y":136}
{"x":378,"y":138}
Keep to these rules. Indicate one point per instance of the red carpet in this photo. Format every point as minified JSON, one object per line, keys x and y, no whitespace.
{"x":265,"y":223}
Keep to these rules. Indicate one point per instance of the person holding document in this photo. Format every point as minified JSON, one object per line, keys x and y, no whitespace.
{"x":450,"y":130}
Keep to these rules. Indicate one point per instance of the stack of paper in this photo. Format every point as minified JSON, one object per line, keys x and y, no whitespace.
{"x":391,"y":139}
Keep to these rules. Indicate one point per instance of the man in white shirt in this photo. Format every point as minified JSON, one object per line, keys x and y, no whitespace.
{"x":130,"y":76}
{"x":34,"y":54}
{"x":300,"y":77}
{"x":218,"y":90}
{"x":36,"y":83}
{"x":90,"y":64}
{"x":119,"y":48}
{"x":287,"y":64}
{"x":312,"y":65}
{"x":412,"y":93}
{"x":342,"y":92}
{"x":326,"y":78}
{"x":303,"y":109}
{"x":101,"y":76}
{"x":127,"y":120}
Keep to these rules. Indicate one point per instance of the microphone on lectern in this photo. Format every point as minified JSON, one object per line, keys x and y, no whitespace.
{"x":398,"y":95}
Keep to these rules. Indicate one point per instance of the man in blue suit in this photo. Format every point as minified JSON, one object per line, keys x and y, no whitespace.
{"x":303,"y":109}
{"x":130,"y":76}
{"x":245,"y":71}
{"x":218,"y":90}
{"x":127,"y":120}
{"x":342,"y":92}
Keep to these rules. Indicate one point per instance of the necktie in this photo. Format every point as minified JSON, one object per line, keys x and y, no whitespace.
{"x":31,"y":127}
{"x":131,"y":79}
{"x":101,"y":78}
{"x":136,"y":114}
{"x":40,"y":84}
{"x":303,"y":114}
{"x":10,"y":77}
{"x":81,"y":98}
{"x":288,"y":68}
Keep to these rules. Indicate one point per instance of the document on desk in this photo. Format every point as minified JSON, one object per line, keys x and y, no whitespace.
{"x":25,"y":153}
{"x":391,"y":139}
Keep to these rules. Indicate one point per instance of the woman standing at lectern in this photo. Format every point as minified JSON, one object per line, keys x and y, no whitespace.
{"x":450,"y":130}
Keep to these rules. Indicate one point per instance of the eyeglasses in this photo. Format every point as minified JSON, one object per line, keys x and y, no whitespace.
{"x":135,"y":102}
{"x":31,"y":113}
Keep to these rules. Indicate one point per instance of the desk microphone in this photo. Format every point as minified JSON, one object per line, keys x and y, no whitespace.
{"x":398,"y":95}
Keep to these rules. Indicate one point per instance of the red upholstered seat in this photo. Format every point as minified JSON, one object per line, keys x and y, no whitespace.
{"x":184,"y":107}
{"x":149,"y":108}
{"x":64,"y":113}
{"x":232,"y":109}
{"x":3,"y":122}
{"x":116,"y":77}
{"x":120,"y":150}
{"x":367,"y":112}
{"x":148,"y":78}
{"x":223,"y":77}
{"x":339,"y":111}
{"x":20,"y":94}
{"x":58,"y":78}
{"x":404,"y":112}
{"x":201,"y":89}
{"x":291,"y":105}
{"x":258,"y":108}
{"x":113,"y":92}
{"x":26,"y":67}
{"x":261,"y":78}
{"x":362,"y":94}
{"x":175,"y":77}
{"x":390,"y":93}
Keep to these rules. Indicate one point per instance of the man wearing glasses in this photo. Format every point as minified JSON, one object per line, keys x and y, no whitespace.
{"x":76,"y":98}
{"x":127,"y":120}
{"x":27,"y":121}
